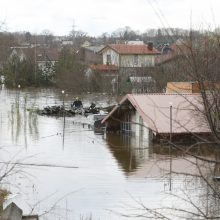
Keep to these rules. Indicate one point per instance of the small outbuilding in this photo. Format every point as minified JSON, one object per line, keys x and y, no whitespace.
{"x":152,"y":116}
{"x":13,"y":212}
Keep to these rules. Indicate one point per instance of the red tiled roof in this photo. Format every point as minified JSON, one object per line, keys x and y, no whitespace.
{"x":132,"y":49}
{"x":102,"y":67}
{"x":155,"y":111}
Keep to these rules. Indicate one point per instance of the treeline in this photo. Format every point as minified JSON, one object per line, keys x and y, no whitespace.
{"x":69,"y":71}
{"x":157,"y":36}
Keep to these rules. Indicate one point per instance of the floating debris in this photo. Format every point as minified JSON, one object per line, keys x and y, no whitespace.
{"x":58,"y":111}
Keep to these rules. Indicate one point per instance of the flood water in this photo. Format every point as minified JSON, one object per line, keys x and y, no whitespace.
{"x":74,"y":173}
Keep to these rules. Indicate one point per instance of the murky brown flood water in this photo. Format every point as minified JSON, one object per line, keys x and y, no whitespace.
{"x":85,"y":174}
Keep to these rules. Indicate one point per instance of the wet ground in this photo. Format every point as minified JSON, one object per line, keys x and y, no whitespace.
{"x":71,"y":172}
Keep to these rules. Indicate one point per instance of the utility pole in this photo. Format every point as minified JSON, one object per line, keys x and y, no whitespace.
{"x":35,"y":60}
{"x":64,"y":122}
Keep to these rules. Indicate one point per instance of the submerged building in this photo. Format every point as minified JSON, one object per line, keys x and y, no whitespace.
{"x":155,"y":116}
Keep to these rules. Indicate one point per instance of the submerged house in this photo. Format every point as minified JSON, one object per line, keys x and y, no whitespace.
{"x":155,"y":116}
{"x":191,"y":87}
{"x":183,"y":87}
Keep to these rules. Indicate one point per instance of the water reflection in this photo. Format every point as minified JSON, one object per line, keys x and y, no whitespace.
{"x":133,"y":155}
{"x":129,"y":151}
{"x":194,"y":180}
{"x":22,"y":122}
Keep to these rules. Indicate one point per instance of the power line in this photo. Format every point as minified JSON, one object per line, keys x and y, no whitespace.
{"x":39,"y":165}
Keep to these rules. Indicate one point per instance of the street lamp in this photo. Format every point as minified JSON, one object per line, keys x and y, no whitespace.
{"x":63,"y":92}
{"x":171,"y":112}
{"x":170,"y":145}
{"x":19,"y":86}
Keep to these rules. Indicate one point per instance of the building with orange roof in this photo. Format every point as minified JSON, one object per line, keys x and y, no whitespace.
{"x":183,"y":87}
{"x":190,"y":87}
{"x":129,"y":55}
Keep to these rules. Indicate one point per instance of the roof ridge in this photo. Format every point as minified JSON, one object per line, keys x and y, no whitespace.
{"x":164,"y":94}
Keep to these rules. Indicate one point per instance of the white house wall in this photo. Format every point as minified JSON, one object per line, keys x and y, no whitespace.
{"x":144,"y":140}
{"x":133,"y":125}
{"x":146,"y":60}
{"x":136,"y":128}
{"x":143,"y":60}
{"x":123,"y":60}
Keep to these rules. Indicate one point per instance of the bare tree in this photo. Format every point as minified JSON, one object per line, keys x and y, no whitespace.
{"x":70,"y":71}
{"x":195,"y":60}
{"x":198,"y":61}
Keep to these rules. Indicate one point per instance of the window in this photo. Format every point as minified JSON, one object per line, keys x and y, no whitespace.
{"x":126,"y":124}
{"x":135,"y":60}
{"x":141,"y":127}
{"x":108,"y":59}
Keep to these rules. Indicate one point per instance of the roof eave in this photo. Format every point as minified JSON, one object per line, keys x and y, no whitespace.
{"x":108,"y":46}
{"x":139,"y":53}
{"x":115,"y":108}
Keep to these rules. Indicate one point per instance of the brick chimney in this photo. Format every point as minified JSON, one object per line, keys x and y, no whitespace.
{"x":150,"y":45}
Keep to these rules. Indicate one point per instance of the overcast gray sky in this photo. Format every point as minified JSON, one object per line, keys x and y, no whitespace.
{"x":98,"y":16}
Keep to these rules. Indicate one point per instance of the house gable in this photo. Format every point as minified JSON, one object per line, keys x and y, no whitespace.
{"x":110,"y":56}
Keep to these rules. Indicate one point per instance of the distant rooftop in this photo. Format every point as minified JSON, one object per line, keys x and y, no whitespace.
{"x":132,"y":49}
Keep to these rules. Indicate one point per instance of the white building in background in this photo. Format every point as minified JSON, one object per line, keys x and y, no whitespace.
{"x":129,"y":55}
